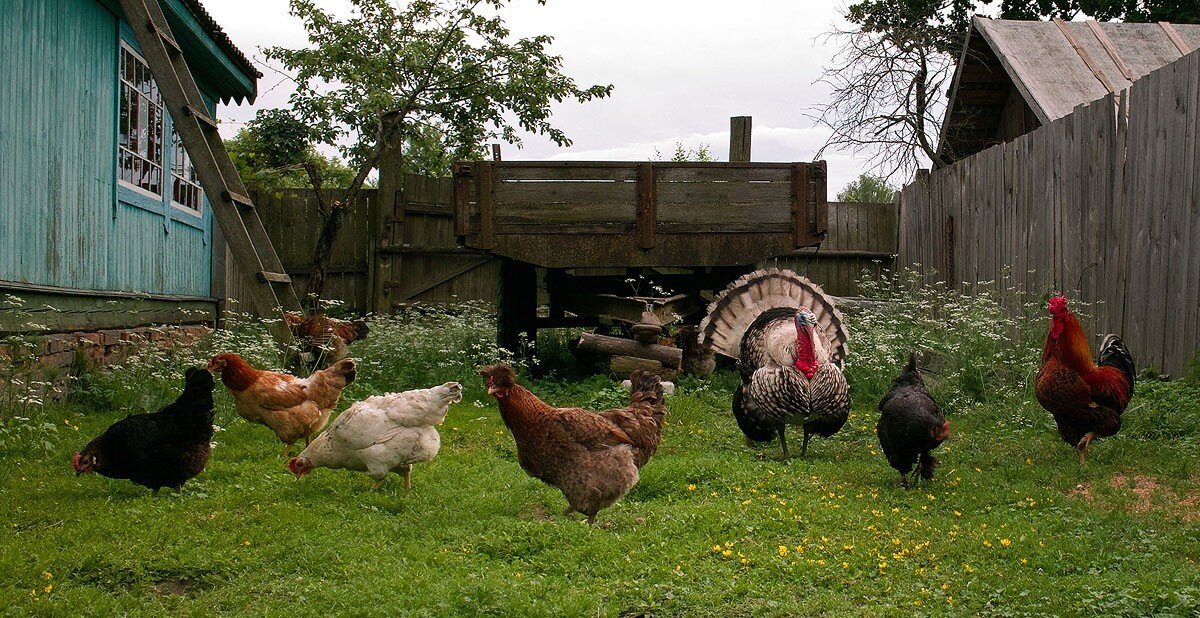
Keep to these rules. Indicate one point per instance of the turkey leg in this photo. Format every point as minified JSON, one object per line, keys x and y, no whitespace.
{"x":783,"y":441}
{"x":804,"y":447}
{"x":408,"y":476}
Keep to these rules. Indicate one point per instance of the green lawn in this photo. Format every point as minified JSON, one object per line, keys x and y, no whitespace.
{"x":1011,"y":525}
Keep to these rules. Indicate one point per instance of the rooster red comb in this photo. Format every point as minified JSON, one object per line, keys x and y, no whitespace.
{"x":1057,"y":304}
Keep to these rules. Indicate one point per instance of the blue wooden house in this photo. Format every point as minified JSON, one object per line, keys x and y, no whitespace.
{"x":103,"y":223}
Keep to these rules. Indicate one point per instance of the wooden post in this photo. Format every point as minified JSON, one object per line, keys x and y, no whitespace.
{"x":517,"y":311}
{"x":800,"y":216}
{"x":385,"y":224}
{"x":739,"y":138}
{"x":486,"y":186}
{"x":647,"y":204}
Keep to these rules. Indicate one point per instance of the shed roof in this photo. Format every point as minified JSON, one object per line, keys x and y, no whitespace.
{"x":1054,"y":65}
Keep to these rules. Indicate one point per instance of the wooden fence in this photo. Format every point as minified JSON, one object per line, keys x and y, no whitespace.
{"x":1103,"y":204}
{"x":415,"y":256}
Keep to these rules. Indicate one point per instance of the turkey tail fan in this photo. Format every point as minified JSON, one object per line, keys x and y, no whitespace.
{"x":735,"y":308}
{"x":1114,"y":354}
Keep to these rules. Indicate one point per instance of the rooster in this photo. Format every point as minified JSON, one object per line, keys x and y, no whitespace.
{"x":161,"y":449}
{"x":1086,"y":398}
{"x":292,"y":407}
{"x":910,"y":424}
{"x":593,"y":459}
{"x":790,"y":355}
{"x":382,"y":434}
{"x":324,"y":339}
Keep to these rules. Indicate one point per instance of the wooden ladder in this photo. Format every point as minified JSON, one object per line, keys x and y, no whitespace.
{"x":269,"y":286}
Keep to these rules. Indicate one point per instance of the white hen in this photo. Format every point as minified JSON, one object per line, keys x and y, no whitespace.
{"x":382,"y":434}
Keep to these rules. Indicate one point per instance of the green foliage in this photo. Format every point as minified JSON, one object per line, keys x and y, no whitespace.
{"x":683,"y":154}
{"x":445,"y":74}
{"x":269,"y":153}
{"x":868,"y":189}
{"x":979,"y":347}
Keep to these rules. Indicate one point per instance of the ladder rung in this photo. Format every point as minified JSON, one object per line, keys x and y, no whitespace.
{"x":201,"y":117}
{"x":269,"y":277}
{"x":238,"y":199}
{"x":167,"y":39}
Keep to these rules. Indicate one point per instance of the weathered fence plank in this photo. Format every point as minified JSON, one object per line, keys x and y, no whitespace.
{"x":1103,"y":205}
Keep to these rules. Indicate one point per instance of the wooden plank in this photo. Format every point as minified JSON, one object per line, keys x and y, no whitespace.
{"x":799,"y":195}
{"x":671,"y":174}
{"x":739,"y":138}
{"x":486,"y":199}
{"x":647,"y":205}
{"x":1110,"y":48}
{"x":413,"y":290}
{"x":536,"y":213}
{"x":462,"y":198}
{"x":1191,"y":207}
{"x":751,"y":193}
{"x":564,"y":192}
{"x":1083,"y":55}
{"x":1180,"y":44}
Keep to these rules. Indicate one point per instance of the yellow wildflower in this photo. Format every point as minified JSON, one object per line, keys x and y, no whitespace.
{"x":727,"y":553}
{"x":1006,"y":542}
{"x":691,"y":488}
{"x":783,"y":550}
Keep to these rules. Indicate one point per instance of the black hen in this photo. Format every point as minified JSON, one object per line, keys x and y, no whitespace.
{"x":161,"y":449}
{"x":910,"y":424}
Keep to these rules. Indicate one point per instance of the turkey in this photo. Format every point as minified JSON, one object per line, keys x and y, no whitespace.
{"x":790,"y":341}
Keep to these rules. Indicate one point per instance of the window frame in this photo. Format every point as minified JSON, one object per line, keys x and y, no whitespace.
{"x":132,"y":194}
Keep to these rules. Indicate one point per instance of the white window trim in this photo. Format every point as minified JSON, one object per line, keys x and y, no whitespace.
{"x":162,"y":168}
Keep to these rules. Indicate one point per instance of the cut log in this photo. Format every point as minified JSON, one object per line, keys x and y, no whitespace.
{"x":668,"y":356}
{"x":622,"y":366}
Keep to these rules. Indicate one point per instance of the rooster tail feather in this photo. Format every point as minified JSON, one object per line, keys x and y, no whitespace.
{"x":736,"y":308}
{"x":753,"y":430}
{"x":926,"y":465}
{"x":1114,"y":354}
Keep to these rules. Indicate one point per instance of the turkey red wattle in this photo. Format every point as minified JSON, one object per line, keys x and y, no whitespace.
{"x":806,"y":358}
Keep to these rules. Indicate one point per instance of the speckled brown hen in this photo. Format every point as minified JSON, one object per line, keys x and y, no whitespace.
{"x":592,"y":458}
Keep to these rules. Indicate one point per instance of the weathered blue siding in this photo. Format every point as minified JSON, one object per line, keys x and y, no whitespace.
{"x":61,"y":222}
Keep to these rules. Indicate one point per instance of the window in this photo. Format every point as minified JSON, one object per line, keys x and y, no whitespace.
{"x":140,"y":132}
{"x":185,"y":188}
{"x":157,"y":174}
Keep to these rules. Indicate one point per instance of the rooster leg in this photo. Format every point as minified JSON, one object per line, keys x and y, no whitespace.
{"x":408,"y":476}
{"x":570,"y":509}
{"x":1082,"y":447}
{"x":804,"y":447}
{"x":783,"y":441}
{"x":287,"y":448}
{"x":591,"y":519}
{"x":378,"y":484}
{"x":904,"y":481}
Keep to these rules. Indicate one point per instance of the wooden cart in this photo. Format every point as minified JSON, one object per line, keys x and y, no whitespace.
{"x":689,"y":227}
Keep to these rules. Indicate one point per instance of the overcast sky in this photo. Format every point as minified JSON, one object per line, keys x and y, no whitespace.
{"x":680,"y":69}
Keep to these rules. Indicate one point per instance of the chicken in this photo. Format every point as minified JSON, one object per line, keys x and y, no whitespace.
{"x":292,"y":407}
{"x":1085,"y":398}
{"x":790,"y":355}
{"x":382,"y":434}
{"x":593,"y":459}
{"x":910,"y":424}
{"x":642,"y":421}
{"x":160,"y":449}
{"x":324,"y":339}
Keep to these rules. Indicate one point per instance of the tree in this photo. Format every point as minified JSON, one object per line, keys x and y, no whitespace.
{"x":436,"y":77}
{"x":869,"y":189}
{"x":271,"y":150}
{"x":890,"y":76}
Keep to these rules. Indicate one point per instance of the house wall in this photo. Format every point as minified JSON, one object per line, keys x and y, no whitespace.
{"x":65,"y":223}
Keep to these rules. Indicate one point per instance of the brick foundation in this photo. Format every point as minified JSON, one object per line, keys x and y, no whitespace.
{"x":52,"y":358}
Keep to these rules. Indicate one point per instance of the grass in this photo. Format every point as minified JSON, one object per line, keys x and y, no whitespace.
{"x":1011,"y":525}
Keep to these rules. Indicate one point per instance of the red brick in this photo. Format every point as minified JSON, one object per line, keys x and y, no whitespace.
{"x":57,"y":359}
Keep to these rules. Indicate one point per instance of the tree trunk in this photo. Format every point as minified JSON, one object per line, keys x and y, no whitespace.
{"x":323,"y":255}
